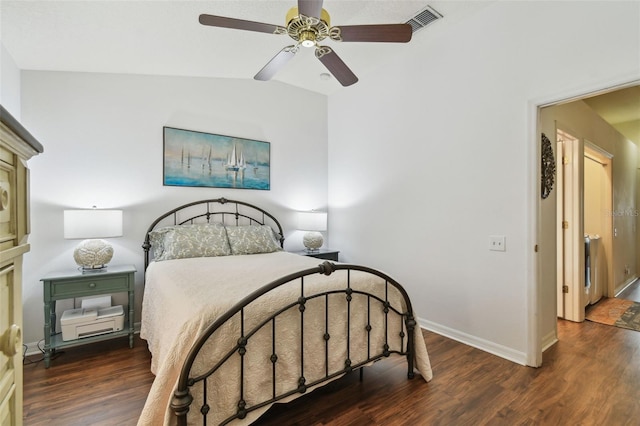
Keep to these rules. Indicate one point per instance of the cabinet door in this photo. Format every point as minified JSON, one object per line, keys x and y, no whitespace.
{"x":10,"y":354}
{"x":7,"y":200}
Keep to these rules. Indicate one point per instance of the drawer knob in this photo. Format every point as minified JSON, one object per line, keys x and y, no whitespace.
{"x":10,"y":341}
{"x":92,"y":285}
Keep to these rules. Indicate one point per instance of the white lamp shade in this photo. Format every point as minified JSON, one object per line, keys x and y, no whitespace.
{"x":312,"y":221}
{"x":92,"y":223}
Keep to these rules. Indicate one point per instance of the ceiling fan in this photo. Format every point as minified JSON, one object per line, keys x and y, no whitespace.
{"x":309,"y":24}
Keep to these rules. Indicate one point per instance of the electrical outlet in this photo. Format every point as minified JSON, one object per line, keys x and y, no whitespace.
{"x":497,"y":243}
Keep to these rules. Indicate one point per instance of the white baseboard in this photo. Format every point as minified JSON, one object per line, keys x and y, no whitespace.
{"x":473,"y":341}
{"x":484,"y":345}
{"x":549,"y":340}
{"x":33,"y":349}
{"x":624,"y":286}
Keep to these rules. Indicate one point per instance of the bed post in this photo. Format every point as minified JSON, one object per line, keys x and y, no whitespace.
{"x":180,"y":404}
{"x":411,"y":328}
{"x":146,"y":246}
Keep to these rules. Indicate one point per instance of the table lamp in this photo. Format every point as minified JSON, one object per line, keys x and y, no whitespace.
{"x":91,"y":225}
{"x":313,"y":222}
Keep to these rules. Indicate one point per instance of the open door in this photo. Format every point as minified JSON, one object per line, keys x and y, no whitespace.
{"x":570,"y":208}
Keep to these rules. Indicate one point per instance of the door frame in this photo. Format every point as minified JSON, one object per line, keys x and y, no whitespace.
{"x":534,"y":338}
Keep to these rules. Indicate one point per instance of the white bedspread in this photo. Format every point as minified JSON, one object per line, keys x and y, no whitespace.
{"x":183,"y":296}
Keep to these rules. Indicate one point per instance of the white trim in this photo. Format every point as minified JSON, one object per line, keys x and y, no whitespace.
{"x":549,"y":340}
{"x":595,"y":89}
{"x":33,"y":349}
{"x":625,"y":286}
{"x":482,"y":344}
{"x":592,"y":146}
{"x":532,"y":220}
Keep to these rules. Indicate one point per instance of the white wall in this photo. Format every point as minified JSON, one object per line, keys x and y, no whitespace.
{"x":9,"y":83}
{"x":431,"y":155}
{"x":102,"y":135}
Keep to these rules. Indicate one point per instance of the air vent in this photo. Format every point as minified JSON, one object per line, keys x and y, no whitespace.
{"x":424,"y":18}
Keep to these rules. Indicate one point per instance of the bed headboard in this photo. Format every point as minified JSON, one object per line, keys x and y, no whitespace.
{"x":222,"y":210}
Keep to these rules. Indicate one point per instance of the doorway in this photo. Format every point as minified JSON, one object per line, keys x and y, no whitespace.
{"x":569,"y":114}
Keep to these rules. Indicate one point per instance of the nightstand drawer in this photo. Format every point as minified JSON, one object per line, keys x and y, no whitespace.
{"x":90,"y":286}
{"x":326,"y":254}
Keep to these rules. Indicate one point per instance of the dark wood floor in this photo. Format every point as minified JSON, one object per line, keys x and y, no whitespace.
{"x":591,"y":377}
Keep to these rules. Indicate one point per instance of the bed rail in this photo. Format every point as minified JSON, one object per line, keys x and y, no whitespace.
{"x":400,"y":328}
{"x":223,"y":210}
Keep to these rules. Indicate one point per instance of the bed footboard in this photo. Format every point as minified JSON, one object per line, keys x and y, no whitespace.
{"x":367,"y":326}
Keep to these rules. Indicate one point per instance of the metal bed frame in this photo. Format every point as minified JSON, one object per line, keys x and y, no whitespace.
{"x":182,"y":399}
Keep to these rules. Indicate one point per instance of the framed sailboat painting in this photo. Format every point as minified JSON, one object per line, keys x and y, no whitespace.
{"x":194,"y":158}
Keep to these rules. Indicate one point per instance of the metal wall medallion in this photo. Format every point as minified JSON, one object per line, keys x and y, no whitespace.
{"x":548,"y":167}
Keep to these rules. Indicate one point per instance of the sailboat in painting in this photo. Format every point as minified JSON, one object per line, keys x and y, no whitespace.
{"x":188,"y":158}
{"x":206,"y":159}
{"x":235,"y":163}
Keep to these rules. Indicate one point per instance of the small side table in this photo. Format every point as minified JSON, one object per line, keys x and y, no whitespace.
{"x":326,"y":254}
{"x":75,"y":283}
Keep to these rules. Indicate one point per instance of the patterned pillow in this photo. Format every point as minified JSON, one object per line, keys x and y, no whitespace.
{"x":182,"y":241}
{"x":252,"y":239}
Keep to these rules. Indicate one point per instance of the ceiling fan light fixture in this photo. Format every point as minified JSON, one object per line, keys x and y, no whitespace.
{"x":307,"y":38}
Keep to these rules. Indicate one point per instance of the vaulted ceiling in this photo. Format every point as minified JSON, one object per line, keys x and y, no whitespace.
{"x":165,"y":38}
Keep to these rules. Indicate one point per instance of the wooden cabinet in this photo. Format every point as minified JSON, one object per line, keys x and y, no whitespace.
{"x":16,"y":147}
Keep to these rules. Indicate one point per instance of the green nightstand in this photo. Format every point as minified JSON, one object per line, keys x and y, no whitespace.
{"x":75,"y":283}
{"x":321,"y":254}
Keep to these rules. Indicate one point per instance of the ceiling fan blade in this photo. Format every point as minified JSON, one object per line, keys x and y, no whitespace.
{"x":240,"y":24}
{"x":276,"y":63}
{"x":336,"y":66}
{"x":311,"y":8}
{"x":390,"y":33}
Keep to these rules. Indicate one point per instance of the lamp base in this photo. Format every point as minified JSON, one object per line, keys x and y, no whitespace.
{"x":93,"y":255}
{"x":93,"y":269}
{"x":312,"y":241}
